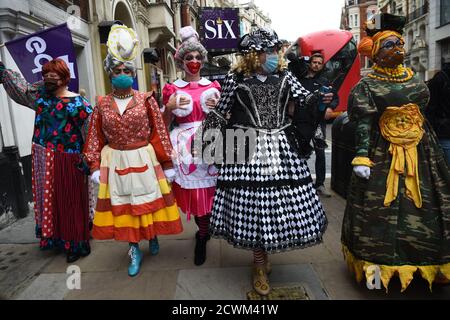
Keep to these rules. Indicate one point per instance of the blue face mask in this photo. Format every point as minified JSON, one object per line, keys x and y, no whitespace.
{"x":271,"y":64}
{"x":122,"y":82}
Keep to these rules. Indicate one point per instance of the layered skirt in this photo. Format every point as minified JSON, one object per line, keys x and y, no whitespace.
{"x":195,"y":183}
{"x":268,"y":202}
{"x":135,"y":201}
{"x":60,"y":194}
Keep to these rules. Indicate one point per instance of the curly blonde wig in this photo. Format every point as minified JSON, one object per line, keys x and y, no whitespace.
{"x":249,"y":63}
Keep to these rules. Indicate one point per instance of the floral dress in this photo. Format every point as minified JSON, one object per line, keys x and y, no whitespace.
{"x":59,"y":174}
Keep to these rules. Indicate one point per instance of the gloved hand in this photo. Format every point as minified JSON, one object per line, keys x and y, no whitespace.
{"x":362,"y":171}
{"x":95,"y":177}
{"x":170,"y":175}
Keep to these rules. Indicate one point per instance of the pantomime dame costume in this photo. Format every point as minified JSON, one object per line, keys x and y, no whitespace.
{"x":129,"y":153}
{"x":397,"y":218}
{"x":194,"y":183}
{"x":59,"y":184}
{"x":265,"y":200}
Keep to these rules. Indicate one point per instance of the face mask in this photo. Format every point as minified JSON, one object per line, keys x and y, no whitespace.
{"x":51,"y":85}
{"x":192,"y":67}
{"x":122,"y":82}
{"x":271,"y":64}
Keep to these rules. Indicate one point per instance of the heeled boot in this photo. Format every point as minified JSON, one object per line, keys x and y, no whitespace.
{"x":200,"y":250}
{"x":135,"y":260}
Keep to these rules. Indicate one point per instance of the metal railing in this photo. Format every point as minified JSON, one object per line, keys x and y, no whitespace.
{"x":423,"y":10}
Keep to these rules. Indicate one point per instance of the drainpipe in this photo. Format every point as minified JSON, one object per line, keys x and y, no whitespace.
{"x":185,"y":14}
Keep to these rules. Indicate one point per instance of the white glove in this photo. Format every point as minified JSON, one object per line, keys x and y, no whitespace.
{"x":362,"y":171}
{"x":170,"y":175}
{"x":95,"y":177}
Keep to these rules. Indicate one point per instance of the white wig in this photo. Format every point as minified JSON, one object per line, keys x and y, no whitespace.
{"x":110,"y":63}
{"x":190,"y":42}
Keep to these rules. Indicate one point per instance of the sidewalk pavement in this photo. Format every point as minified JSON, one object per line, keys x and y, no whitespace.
{"x":28,"y":273}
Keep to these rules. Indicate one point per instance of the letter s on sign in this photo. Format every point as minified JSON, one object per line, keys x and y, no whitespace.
{"x":211,"y":29}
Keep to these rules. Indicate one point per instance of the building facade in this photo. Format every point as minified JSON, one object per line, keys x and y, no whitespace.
{"x":417,"y":36}
{"x":353,"y":17}
{"x":252,"y":17}
{"x":156,"y":23}
{"x":439,"y":35}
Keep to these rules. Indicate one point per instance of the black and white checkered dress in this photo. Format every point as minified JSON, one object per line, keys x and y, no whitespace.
{"x":265,"y":197}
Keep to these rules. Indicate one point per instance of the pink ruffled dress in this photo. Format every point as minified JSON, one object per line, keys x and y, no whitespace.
{"x":194,"y":185}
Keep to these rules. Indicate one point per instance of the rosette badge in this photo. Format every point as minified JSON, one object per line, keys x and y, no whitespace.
{"x":123,"y":43}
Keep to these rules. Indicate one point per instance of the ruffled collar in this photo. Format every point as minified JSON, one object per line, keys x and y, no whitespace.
{"x":180,"y":83}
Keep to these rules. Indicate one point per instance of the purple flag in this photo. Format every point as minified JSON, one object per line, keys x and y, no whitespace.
{"x":219,"y":29}
{"x":31,"y":52}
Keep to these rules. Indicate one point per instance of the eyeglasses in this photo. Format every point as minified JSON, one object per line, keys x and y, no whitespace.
{"x":191,"y":57}
{"x":390,"y":44}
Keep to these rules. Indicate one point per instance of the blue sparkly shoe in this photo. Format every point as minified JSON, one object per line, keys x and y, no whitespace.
{"x":135,"y":260}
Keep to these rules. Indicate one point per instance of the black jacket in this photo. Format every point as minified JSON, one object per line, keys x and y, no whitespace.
{"x":438,"y":111}
{"x":315,"y":83}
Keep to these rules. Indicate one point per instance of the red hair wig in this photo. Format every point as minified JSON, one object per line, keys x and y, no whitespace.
{"x":59,"y":67}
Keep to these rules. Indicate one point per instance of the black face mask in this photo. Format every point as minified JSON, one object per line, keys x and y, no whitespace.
{"x":51,"y":85}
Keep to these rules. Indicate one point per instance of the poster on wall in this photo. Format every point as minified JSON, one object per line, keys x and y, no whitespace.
{"x":220,"y":29}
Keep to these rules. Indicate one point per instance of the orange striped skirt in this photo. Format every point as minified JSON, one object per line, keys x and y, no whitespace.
{"x":135,"y":201}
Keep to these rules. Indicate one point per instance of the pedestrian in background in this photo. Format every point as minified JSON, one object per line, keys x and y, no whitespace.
{"x":438,"y":111}
{"x":313,"y":79}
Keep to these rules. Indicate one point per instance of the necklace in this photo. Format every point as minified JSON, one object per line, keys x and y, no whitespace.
{"x":128,"y":95}
{"x":397,"y":74}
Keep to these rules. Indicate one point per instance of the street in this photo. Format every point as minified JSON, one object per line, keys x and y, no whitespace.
{"x":115,"y":94}
{"x":28,"y":273}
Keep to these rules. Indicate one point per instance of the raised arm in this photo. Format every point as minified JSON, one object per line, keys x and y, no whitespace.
{"x":18,"y":88}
